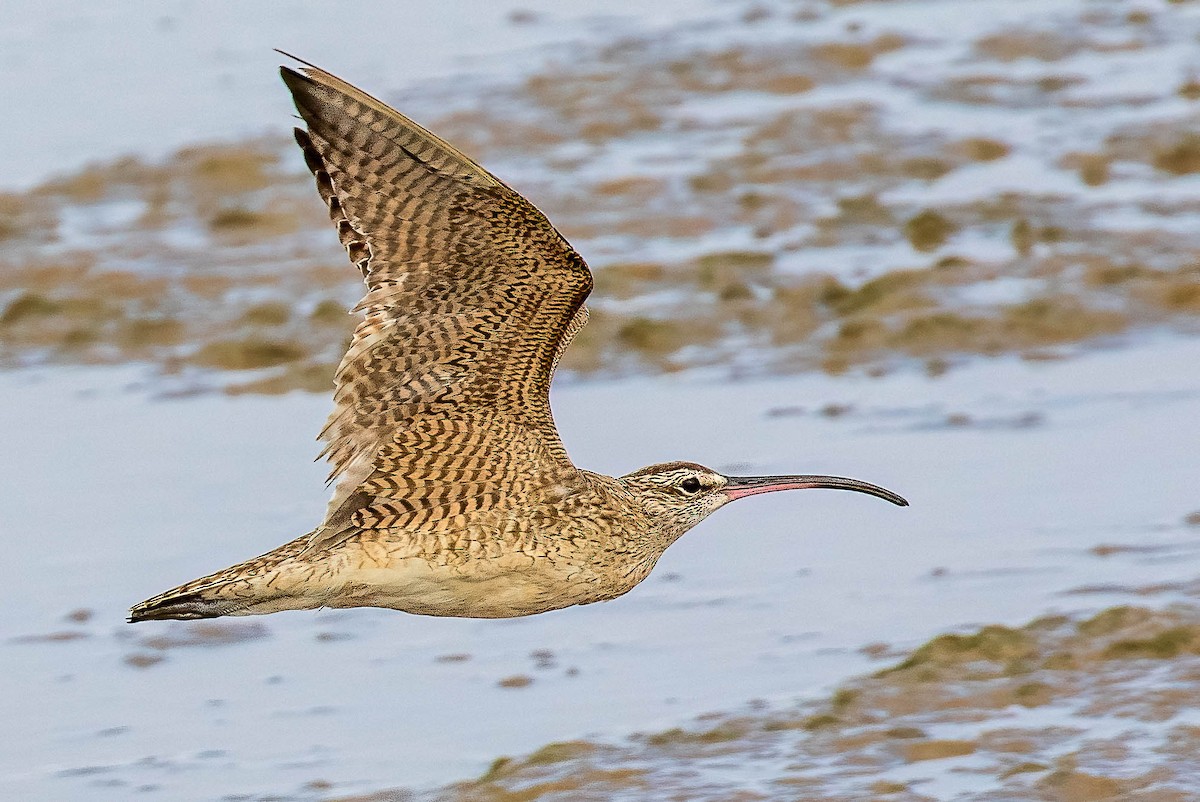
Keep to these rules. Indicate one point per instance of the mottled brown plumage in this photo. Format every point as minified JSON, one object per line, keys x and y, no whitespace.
{"x":454,"y":494}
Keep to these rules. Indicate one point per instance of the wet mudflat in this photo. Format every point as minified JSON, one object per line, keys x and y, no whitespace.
{"x":1029,"y":490}
{"x":759,"y":190}
{"x":1084,"y":709}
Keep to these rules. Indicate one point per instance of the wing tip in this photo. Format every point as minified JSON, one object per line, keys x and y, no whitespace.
{"x":296,"y":58}
{"x":294,"y":79}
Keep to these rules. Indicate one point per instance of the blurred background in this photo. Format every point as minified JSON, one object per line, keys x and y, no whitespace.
{"x":949,"y":246}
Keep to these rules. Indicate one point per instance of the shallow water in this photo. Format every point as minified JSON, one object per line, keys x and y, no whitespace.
{"x":86,"y":82}
{"x":113,"y":496}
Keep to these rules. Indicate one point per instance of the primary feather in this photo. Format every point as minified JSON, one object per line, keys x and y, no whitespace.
{"x":472,"y":296}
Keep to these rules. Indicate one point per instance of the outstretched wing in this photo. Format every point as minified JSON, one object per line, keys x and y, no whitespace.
{"x":472,"y":296}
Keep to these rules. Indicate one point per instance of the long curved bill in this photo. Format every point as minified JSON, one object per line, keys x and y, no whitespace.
{"x":740,"y":486}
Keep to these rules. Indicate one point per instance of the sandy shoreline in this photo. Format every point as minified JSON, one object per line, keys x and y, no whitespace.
{"x":1080,"y":709}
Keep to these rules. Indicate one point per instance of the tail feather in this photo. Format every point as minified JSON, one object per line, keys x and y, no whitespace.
{"x":247,"y":588}
{"x":187,"y":606}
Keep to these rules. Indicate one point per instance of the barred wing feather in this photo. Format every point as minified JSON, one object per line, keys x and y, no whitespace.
{"x":472,"y":297}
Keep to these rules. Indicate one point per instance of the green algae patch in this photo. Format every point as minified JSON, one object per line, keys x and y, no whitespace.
{"x":1183,"y":296}
{"x":730,"y":730}
{"x":1044,"y":321}
{"x":268,"y":313}
{"x":329,"y":312}
{"x":982,"y":149}
{"x":654,"y":337}
{"x":1181,"y":157}
{"x":1161,"y":646}
{"x":886,"y":293}
{"x":703,"y":306}
{"x":671,"y":736}
{"x":863,"y":210}
{"x":782,"y":724}
{"x":996,"y":644}
{"x":903,"y":733}
{"x":210,"y":236}
{"x":1114,"y":619}
{"x":231,"y":168}
{"x":1094,"y":169}
{"x":147,"y":333}
{"x":235,"y":217}
{"x":312,"y":377}
{"x":250,"y":353}
{"x":629,"y":279}
{"x":596,"y":782}
{"x":939,"y":332}
{"x":1079,"y":786}
{"x":755,"y":261}
{"x":726,"y":731}
{"x":929,"y":230}
{"x":28,"y":305}
{"x":1033,"y":694}
{"x":560,"y":751}
{"x":819,"y":721}
{"x":497,"y":769}
{"x":838,"y":748}
{"x":843,"y":698}
{"x":730,"y":275}
{"x":1024,"y":768}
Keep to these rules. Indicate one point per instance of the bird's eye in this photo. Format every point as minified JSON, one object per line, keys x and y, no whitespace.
{"x":690,"y":485}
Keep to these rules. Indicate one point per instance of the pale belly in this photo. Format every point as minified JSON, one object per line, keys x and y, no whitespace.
{"x":489,"y":591}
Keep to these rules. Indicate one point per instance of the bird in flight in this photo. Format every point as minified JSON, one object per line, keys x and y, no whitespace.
{"x":454,"y":495}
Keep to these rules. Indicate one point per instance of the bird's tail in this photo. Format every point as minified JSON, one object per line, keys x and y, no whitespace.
{"x":261,"y":585}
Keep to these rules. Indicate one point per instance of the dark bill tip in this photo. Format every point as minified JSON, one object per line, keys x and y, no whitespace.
{"x":740,"y":486}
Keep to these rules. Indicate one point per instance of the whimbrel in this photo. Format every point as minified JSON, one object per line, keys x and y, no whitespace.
{"x":455,"y":495}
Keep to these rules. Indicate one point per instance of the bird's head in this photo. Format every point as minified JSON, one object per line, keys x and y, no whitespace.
{"x":679,"y":495}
